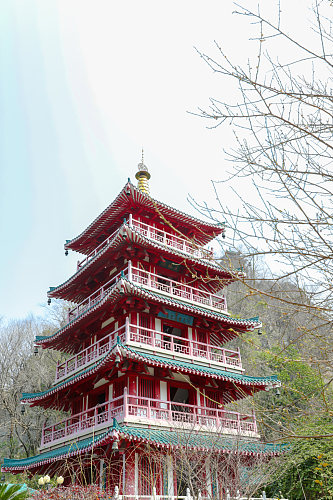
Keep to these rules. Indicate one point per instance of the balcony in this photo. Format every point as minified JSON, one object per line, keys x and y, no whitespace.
{"x":93,"y":298}
{"x":171,"y":240}
{"x":155,"y":341}
{"x":129,"y":408}
{"x":89,"y":355}
{"x":154,"y":282}
{"x":183,"y":347}
{"x":159,"y":236}
{"x":176,"y":289}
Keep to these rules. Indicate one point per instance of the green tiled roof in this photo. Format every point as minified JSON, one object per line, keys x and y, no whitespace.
{"x":66,"y":382}
{"x":159,"y":360}
{"x":194,"y":307}
{"x":204,"y":370}
{"x":124,"y":200}
{"x":169,"y":438}
{"x":131,"y":232}
{"x":173,"y":437}
{"x":133,"y":287}
{"x":49,"y":456}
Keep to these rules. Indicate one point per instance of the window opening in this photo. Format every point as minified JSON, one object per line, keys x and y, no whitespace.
{"x":182,"y":483}
{"x":179,"y":395}
{"x":163,"y":283}
{"x":100,"y":403}
{"x":180,"y":399}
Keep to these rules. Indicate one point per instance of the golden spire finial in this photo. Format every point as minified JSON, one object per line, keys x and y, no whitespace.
{"x":143,"y":175}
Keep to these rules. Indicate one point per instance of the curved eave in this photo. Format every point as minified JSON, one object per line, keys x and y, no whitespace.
{"x":238,"y":380}
{"x":64,"y":452}
{"x":86,"y":241}
{"x":68,"y":289}
{"x":201,"y":441}
{"x":160,"y":438}
{"x":42,"y":398}
{"x":61,"y":339}
{"x":196,"y":369}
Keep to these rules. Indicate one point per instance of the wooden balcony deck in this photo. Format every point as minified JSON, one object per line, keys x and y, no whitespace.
{"x":130,"y":408}
{"x":159,"y":236}
{"x":156,"y":282}
{"x":151,"y":340}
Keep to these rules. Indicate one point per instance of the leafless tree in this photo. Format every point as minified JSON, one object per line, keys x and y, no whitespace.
{"x":213,"y":470}
{"x":21,"y":371}
{"x":282,"y":121}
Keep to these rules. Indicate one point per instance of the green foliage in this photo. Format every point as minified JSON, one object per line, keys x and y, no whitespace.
{"x":302,"y":416}
{"x":303,"y":394}
{"x":12,"y":492}
{"x":306,"y":471}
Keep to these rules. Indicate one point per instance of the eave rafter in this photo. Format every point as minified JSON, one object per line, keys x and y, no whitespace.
{"x":61,"y":340}
{"x":124,"y":358}
{"x":128,"y":243}
{"x":132,"y":199}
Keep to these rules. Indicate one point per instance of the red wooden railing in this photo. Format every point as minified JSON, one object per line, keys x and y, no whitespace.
{"x":171,"y":240}
{"x":88,"y":355}
{"x":126,"y":407}
{"x":180,"y":345}
{"x":97,"y":249}
{"x":153,"y":339}
{"x":163,"y":237}
{"x":152,"y":281}
{"x":93,"y":298}
{"x":176,"y":288}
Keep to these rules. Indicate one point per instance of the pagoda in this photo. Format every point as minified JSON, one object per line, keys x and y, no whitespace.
{"x":147,"y":368}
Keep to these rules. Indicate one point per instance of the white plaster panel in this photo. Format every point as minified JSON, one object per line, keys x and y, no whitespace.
{"x":100,"y":382}
{"x":171,"y":491}
{"x":108,"y":321}
{"x":136,"y":477}
{"x":164,"y":390}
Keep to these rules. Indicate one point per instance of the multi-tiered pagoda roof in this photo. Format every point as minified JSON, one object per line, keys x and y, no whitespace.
{"x":145,"y":342}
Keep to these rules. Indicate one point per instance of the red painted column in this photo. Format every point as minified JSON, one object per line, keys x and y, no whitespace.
{"x":157,"y":389}
{"x":132,"y":390}
{"x":133,"y":318}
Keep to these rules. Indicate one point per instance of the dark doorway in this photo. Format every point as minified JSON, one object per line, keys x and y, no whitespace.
{"x":178,"y":335}
{"x":100,"y":400}
{"x":182,"y":484}
{"x":179,"y":395}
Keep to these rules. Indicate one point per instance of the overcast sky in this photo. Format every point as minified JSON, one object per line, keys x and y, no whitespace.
{"x":84,"y":85}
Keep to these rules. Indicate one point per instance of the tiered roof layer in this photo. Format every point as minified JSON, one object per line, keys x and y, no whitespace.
{"x":129,"y":199}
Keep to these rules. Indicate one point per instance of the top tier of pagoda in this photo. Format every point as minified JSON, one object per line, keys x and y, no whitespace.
{"x":137,"y":200}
